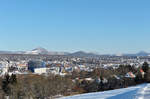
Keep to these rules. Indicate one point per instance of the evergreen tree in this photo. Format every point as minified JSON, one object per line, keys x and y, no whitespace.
{"x":7,"y":81}
{"x":145,"y":67}
{"x":148,"y":76}
{"x":13,"y":79}
{"x":5,"y":84}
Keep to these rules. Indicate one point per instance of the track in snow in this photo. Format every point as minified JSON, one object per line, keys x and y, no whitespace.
{"x":144,"y":93}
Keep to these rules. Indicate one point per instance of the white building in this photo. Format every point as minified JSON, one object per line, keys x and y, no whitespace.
{"x":41,"y":70}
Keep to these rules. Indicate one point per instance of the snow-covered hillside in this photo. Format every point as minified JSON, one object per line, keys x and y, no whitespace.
{"x":137,"y":92}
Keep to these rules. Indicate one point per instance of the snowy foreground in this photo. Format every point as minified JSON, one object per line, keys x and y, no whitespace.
{"x":137,"y":92}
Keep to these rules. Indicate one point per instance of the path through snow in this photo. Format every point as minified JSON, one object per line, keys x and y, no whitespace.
{"x":144,"y":93}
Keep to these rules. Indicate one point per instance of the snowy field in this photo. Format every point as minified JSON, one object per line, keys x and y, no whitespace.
{"x":137,"y":92}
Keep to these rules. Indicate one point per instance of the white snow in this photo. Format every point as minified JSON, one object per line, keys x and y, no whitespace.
{"x":136,"y":92}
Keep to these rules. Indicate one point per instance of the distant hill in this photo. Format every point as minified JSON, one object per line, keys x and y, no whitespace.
{"x":83,"y":54}
{"x":43,"y":51}
{"x":141,"y":53}
{"x":38,"y":50}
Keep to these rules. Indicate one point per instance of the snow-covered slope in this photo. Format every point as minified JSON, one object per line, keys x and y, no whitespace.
{"x":137,"y":92}
{"x":43,"y":51}
{"x":38,"y":50}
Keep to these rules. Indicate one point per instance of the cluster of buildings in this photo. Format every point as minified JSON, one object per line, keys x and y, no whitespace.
{"x":62,"y":65}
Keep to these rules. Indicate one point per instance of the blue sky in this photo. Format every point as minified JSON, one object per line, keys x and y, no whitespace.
{"x":104,"y":26}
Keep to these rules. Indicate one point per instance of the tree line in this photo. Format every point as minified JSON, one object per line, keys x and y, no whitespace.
{"x":31,"y":86}
{"x":34,"y":86}
{"x":113,"y":82}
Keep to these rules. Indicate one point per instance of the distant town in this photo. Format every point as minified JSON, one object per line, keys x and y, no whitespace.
{"x":39,"y":62}
{"x":68,"y":73}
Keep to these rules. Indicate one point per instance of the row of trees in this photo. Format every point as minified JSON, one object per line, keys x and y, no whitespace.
{"x":46,"y":87}
{"x":113,"y":82}
{"x":35,"y":86}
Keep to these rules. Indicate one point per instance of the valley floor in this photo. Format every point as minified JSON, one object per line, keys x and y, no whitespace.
{"x":137,"y":92}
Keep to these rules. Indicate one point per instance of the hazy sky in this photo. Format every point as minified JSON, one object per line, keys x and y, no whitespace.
{"x":104,"y":26}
